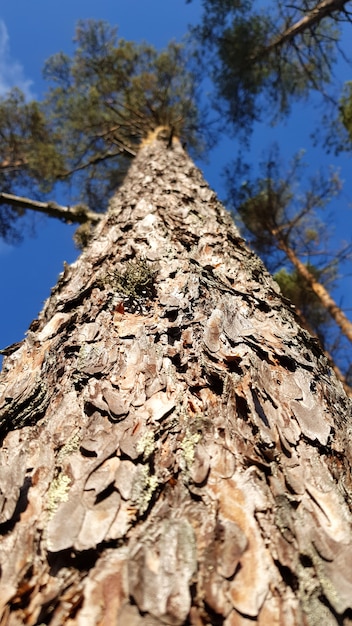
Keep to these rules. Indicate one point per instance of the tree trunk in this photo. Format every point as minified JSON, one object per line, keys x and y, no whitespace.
{"x":326,"y":300}
{"x":175,"y":449}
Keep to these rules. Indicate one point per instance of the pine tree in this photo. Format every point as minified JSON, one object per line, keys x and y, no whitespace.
{"x":175,"y":448}
{"x":100,"y":103}
{"x":283,"y":223}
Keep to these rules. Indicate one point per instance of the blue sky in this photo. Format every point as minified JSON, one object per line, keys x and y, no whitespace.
{"x":29,"y":34}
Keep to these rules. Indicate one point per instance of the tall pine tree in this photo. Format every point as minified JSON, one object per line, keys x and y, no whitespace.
{"x":175,"y":449}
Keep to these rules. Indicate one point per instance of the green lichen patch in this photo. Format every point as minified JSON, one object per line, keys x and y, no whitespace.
{"x":71,"y":445}
{"x":144,"y":488}
{"x":188,"y":446}
{"x":58,"y":492}
{"x":137,"y":281}
{"x":146,"y":444}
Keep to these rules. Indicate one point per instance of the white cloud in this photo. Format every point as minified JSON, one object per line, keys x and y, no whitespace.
{"x":11,"y":71}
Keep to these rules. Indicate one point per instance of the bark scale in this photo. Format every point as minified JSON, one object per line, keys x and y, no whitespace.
{"x":175,"y":449}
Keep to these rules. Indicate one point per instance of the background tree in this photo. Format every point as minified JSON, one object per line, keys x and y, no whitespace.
{"x":338,"y":137}
{"x":284,"y":224}
{"x":344,"y":119}
{"x":264,"y":58}
{"x":99,"y":106}
{"x":28,"y":159}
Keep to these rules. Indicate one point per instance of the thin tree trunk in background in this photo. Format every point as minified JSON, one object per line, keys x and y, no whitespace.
{"x":175,"y":448}
{"x":339,"y":375}
{"x":326,"y":300}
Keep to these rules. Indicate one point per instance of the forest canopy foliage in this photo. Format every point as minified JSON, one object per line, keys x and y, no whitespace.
{"x":99,"y":104}
{"x":267,"y":56}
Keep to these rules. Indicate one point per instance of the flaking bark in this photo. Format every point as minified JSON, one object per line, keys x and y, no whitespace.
{"x":175,"y":448}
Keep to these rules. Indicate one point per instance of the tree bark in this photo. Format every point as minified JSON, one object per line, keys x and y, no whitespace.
{"x":175,"y":449}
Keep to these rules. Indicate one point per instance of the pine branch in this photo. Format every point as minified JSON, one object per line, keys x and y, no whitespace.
{"x":79,"y":214}
{"x":123,"y":150}
{"x":323,"y":9}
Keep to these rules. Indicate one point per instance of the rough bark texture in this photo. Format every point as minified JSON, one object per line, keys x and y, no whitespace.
{"x":175,"y":449}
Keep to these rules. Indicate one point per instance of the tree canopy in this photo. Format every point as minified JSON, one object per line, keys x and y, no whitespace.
{"x":99,"y":105}
{"x":264,"y":57}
